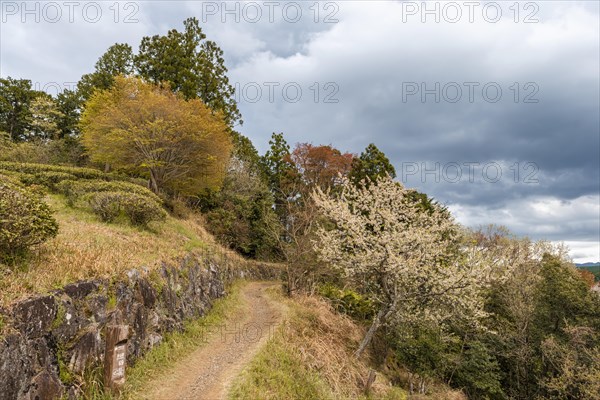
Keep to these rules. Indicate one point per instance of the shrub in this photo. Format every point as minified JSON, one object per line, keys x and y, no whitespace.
{"x":142,"y":210}
{"x":25,"y":220}
{"x":73,"y":190}
{"x":139,"y":210}
{"x":46,"y":178}
{"x":348,"y":302}
{"x":81,"y":173}
{"x":106,"y":205}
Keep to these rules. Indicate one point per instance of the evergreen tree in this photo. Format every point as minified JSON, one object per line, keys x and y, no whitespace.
{"x":192,"y":66}
{"x":371,"y":164}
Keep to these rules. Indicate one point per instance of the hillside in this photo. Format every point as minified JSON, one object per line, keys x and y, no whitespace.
{"x":593,"y":267}
{"x":85,"y":246}
{"x":310,"y":354}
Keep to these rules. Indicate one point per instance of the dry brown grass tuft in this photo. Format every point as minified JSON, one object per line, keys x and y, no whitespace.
{"x":88,"y":248}
{"x":326,"y":342}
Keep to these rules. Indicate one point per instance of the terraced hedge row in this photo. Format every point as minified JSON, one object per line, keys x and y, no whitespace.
{"x":78,"y":172}
{"x":109,"y":196}
{"x":75,"y":190}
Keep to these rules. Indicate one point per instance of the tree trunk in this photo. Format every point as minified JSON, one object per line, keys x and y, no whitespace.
{"x":377,"y":322}
{"x":153,"y":183}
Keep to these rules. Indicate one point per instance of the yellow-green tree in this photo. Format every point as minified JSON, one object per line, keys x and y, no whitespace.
{"x":180,"y":145}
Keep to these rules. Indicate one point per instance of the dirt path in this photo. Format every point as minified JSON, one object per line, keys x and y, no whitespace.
{"x":207,"y":373}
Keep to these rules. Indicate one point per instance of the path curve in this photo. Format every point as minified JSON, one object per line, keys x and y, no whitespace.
{"x":207,"y":373}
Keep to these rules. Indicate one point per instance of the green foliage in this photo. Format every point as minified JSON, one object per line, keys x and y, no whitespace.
{"x":74,"y":190}
{"x":241,"y":215}
{"x":278,"y":171}
{"x":180,"y":145}
{"x":191,"y":65}
{"x":349,"y":302}
{"x":467,"y":364}
{"x":275,"y":163}
{"x":68,"y":103}
{"x":60,"y":151}
{"x":139,"y":210}
{"x":475,"y":370}
{"x":106,"y":205}
{"x":563,"y":298}
{"x":243,"y":222}
{"x":279,"y":373}
{"x":44,"y":118}
{"x":117,"y":60}
{"x":25,"y":220}
{"x":371,"y":165}
{"x":16,"y":96}
{"x":573,"y":365}
{"x":544,"y":317}
{"x":46,"y":178}
{"x":27,"y":114}
{"x":80,"y":173}
{"x":61,"y":317}
{"x":421,"y":349}
{"x":64,"y":374}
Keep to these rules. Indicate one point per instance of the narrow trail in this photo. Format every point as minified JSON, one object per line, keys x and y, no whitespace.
{"x":207,"y":373}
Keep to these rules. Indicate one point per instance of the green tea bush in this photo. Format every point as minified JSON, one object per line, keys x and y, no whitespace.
{"x":139,"y":210}
{"x":25,"y":220}
{"x":46,"y":178}
{"x":74,"y":190}
{"x":106,"y":205}
{"x":81,"y":173}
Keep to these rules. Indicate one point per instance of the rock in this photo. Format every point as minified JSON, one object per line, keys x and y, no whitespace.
{"x":69,"y":320}
{"x":80,"y":290}
{"x":154,"y":339}
{"x":45,"y":385}
{"x":16,"y":367}
{"x":34,"y":317}
{"x":147,"y":293}
{"x":86,"y":351}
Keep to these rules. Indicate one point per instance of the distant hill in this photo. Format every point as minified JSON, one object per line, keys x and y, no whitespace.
{"x":593,"y":267}
{"x":588,"y":264}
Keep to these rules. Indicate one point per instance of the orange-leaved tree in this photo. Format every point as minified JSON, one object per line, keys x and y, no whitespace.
{"x":180,"y":145}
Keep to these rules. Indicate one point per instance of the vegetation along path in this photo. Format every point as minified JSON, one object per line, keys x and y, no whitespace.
{"x":208,"y":372}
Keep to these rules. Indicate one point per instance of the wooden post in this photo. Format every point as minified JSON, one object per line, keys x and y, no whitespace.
{"x":115,"y":356}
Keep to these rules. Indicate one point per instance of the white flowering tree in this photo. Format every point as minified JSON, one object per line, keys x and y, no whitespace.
{"x":407,"y":259}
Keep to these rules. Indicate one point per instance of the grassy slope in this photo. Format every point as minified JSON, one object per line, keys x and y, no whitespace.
{"x":311,"y":357}
{"x":87,"y":248}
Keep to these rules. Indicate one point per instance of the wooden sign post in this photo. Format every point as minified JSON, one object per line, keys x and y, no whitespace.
{"x":115,"y":356}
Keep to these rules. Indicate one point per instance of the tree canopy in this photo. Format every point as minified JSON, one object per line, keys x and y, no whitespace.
{"x":371,"y":164}
{"x":401,"y":257}
{"x":180,"y":145}
{"x":191,"y":65}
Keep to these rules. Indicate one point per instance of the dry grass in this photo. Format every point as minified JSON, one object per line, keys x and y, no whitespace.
{"x":313,"y":357}
{"x":88,"y":248}
{"x":326,"y":342}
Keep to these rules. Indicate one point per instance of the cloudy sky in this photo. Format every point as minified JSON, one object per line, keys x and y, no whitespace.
{"x":490,"y":107}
